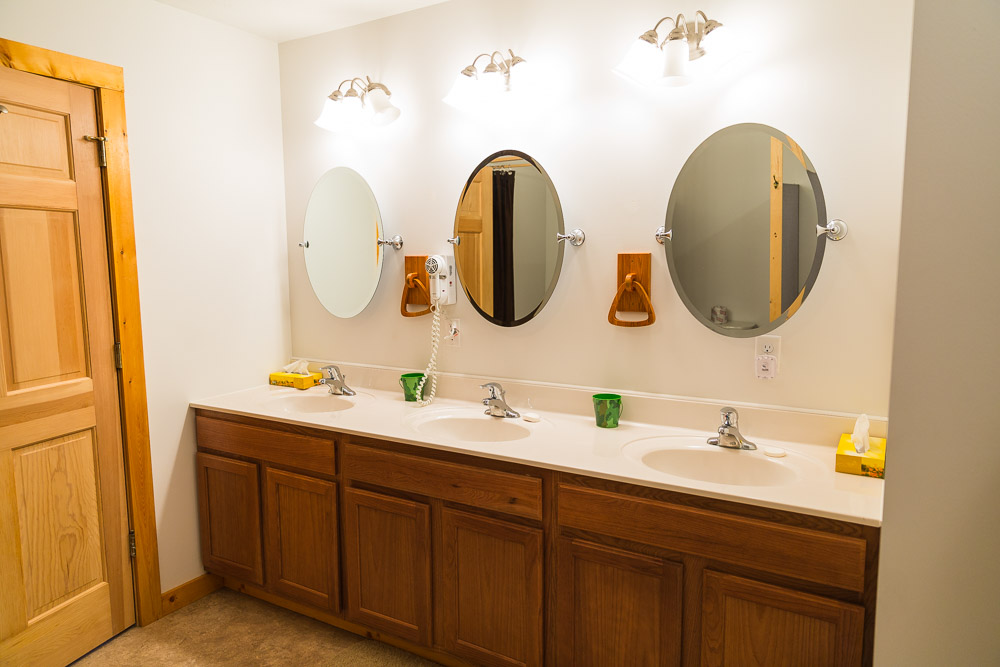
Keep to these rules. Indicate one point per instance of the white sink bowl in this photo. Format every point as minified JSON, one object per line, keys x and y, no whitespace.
{"x":468,"y":425}
{"x":313,"y":401}
{"x":691,"y":457}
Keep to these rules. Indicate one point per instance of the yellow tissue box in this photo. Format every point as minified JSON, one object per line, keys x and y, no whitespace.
{"x":869,"y":464}
{"x":296,"y":380}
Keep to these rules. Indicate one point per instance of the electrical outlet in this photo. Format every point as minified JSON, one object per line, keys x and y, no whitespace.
{"x":767,"y":356}
{"x":452,"y":333}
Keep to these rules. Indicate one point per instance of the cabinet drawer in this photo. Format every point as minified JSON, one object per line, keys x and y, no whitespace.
{"x":291,"y":449}
{"x":811,"y":555}
{"x":489,"y":489}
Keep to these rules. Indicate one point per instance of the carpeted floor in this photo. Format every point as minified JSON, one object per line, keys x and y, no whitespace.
{"x":228,"y":628}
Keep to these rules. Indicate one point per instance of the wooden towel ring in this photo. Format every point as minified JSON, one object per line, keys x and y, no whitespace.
{"x":631,"y":284}
{"x":413,"y":282}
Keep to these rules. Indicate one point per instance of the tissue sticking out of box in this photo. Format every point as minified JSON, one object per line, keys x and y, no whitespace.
{"x":301,"y":367}
{"x":860,"y":437}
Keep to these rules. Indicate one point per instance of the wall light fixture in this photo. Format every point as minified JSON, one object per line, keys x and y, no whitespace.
{"x":363,"y":97}
{"x":473,"y":86}
{"x":650,"y":61}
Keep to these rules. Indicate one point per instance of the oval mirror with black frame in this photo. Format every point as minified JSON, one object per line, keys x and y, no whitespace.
{"x":343,"y":259}
{"x":743,"y":250}
{"x":507,"y":225}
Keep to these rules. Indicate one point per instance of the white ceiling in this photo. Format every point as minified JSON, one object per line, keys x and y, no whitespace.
{"x":282,"y":20}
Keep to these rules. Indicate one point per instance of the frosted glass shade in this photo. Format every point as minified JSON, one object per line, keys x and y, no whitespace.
{"x":382,"y":110}
{"x":329,"y":118}
{"x":643,"y":63}
{"x":464,"y":93}
{"x":675,"y":62}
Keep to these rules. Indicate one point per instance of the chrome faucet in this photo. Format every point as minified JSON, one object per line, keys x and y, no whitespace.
{"x":729,"y":433}
{"x":496,"y":405}
{"x":336,"y":381}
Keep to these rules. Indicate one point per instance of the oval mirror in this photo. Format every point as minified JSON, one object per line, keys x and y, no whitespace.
{"x":508,"y":255}
{"x":342,"y":225}
{"x":743,"y":249}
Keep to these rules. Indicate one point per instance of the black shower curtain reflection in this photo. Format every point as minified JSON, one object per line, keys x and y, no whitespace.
{"x":503,"y":246}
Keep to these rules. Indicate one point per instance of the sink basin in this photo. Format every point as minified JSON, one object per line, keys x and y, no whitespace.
{"x":468,"y":425}
{"x":312,"y":402}
{"x":691,"y":458}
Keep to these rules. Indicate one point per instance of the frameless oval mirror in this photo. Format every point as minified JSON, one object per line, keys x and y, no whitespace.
{"x":343,"y":258}
{"x":743,"y":249}
{"x":508,"y":255}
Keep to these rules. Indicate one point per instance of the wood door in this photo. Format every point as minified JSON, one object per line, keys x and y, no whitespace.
{"x":616,"y":607}
{"x":491,"y":590}
{"x":474,"y":254}
{"x":301,"y":547}
{"x":745,"y":622}
{"x":229,"y":514}
{"x":65,"y":573}
{"x":387,"y":557}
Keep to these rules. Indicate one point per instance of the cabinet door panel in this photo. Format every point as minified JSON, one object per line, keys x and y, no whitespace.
{"x":616,"y":607}
{"x":229,"y":505}
{"x":745,"y":622}
{"x":387,"y":553}
{"x":492,"y":590}
{"x":301,"y":522}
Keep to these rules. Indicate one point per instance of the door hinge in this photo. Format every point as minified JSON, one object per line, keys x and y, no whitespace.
{"x":102,"y":157}
{"x":118,"y":355}
{"x":131,"y":543}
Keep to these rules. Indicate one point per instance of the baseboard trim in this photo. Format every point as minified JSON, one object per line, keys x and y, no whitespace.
{"x":342,"y":623}
{"x":188,"y":592}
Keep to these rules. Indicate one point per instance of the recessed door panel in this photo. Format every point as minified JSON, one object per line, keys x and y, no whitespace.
{"x":44,"y":338}
{"x":33,"y":142}
{"x":59,"y":518}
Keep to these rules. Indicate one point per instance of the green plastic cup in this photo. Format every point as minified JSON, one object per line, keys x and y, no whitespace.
{"x":409,"y":383}
{"x":607,"y":410}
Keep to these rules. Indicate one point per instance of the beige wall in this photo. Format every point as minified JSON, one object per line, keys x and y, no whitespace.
{"x":939,"y":577}
{"x":205,"y":150}
{"x":834,"y":82}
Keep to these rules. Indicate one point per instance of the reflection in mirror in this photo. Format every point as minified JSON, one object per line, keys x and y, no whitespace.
{"x":342,"y":225}
{"x":743,"y":251}
{"x":508,"y":255}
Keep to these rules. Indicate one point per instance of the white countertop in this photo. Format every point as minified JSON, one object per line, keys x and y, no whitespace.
{"x":568,"y":443}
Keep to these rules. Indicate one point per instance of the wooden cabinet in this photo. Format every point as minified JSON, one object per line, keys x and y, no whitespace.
{"x":491,"y":589}
{"x":253,"y":513}
{"x":745,"y":622}
{"x":472,"y":561}
{"x":616,"y":607}
{"x":388,"y":561}
{"x":301,"y":546}
{"x":229,"y":504}
{"x":760,"y":586}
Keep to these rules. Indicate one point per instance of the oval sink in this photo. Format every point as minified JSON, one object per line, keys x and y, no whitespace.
{"x":692,"y":458}
{"x":312,"y":403}
{"x":468,"y":426}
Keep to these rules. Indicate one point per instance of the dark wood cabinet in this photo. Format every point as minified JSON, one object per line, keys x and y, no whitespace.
{"x":473,"y":561}
{"x":229,"y":508}
{"x":301,"y":547}
{"x":388,"y":562}
{"x":492,"y":592}
{"x":745,"y":622}
{"x":616,"y":607}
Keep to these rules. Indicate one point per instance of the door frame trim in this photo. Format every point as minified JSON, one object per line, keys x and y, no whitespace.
{"x":108,"y":81}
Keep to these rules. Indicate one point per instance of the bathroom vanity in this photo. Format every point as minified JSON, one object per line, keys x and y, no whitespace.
{"x":469,"y":552}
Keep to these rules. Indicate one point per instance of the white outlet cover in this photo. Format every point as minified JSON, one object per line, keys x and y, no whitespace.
{"x":767,"y":345}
